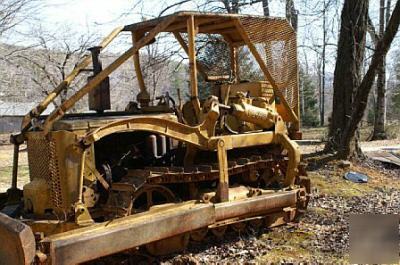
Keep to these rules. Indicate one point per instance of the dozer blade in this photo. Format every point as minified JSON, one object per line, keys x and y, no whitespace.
{"x":159,"y":223}
{"x":17,"y":242}
{"x":110,"y":237}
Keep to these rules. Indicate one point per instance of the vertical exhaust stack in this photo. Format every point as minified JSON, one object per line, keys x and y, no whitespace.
{"x":99,"y":98}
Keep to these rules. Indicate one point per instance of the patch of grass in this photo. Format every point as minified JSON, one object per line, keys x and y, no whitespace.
{"x":290,"y":246}
{"x":6,"y":175}
{"x":377,"y":179}
{"x":393,"y":130}
{"x":284,"y":254}
{"x":336,"y":185}
{"x":319,"y":211}
{"x":295,"y":246}
{"x":316,"y":133}
{"x":288,"y":237}
{"x":330,"y":181}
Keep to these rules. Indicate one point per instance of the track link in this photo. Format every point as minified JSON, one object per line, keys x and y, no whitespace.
{"x":207,"y":172}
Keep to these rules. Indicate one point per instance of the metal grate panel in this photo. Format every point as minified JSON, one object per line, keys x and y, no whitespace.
{"x":43,"y":164}
{"x":55,"y":182}
{"x":38,"y":157}
{"x":276,"y":43}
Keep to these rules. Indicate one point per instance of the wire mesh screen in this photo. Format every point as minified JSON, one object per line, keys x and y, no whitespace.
{"x":43,"y":164}
{"x":213,"y":54}
{"x":249,"y":69}
{"x":275,"y":41}
{"x":213,"y":57}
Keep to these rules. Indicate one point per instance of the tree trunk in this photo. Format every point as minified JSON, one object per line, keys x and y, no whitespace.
{"x":347,"y":75}
{"x":231,"y":6}
{"x":235,"y":6}
{"x":320,"y":101}
{"x":302,"y":110}
{"x":322,"y":104}
{"x":380,"y":106}
{"x":364,"y":88}
{"x":291,"y":14}
{"x":265,"y":4}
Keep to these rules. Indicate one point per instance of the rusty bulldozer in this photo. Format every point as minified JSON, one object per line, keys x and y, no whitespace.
{"x":159,"y":174}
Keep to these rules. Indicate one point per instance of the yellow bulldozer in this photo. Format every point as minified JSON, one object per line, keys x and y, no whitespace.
{"x":164,"y":171}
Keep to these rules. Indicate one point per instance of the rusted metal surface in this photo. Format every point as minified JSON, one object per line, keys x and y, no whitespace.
{"x":131,"y":199}
{"x":123,"y":233}
{"x":156,"y":224}
{"x":235,"y":193}
{"x":255,"y":205}
{"x":169,"y":245}
{"x":99,"y":98}
{"x":17,"y":242}
{"x":15,"y":167}
{"x":197,"y":173}
{"x":223,"y":183}
{"x":234,"y":153}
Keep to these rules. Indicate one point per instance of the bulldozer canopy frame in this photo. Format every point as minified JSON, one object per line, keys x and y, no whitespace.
{"x":271,"y":42}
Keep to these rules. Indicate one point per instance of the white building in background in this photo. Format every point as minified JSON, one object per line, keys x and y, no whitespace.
{"x":11,"y":114}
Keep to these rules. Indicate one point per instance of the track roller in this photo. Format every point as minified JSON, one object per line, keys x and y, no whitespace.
{"x":199,"y":235}
{"x":239,"y":227}
{"x":219,"y":231}
{"x":256,"y":223}
{"x":169,"y":245}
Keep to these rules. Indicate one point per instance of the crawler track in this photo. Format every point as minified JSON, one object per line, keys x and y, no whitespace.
{"x":215,"y":233}
{"x":251,"y":170}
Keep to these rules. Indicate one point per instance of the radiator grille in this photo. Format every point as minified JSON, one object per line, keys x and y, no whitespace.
{"x":55,"y":183}
{"x":38,"y":157}
{"x":43,"y":164}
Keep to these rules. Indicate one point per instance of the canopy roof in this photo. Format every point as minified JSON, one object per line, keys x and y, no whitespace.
{"x":217,"y":23}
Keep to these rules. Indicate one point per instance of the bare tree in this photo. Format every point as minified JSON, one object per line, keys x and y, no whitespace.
{"x":380,"y":104}
{"x":155,"y":67}
{"x":13,"y":12}
{"x":265,"y":5}
{"x":323,"y":72}
{"x":54,"y":56}
{"x":318,"y":27}
{"x":347,"y":76}
{"x":291,"y":14}
{"x":357,"y":89}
